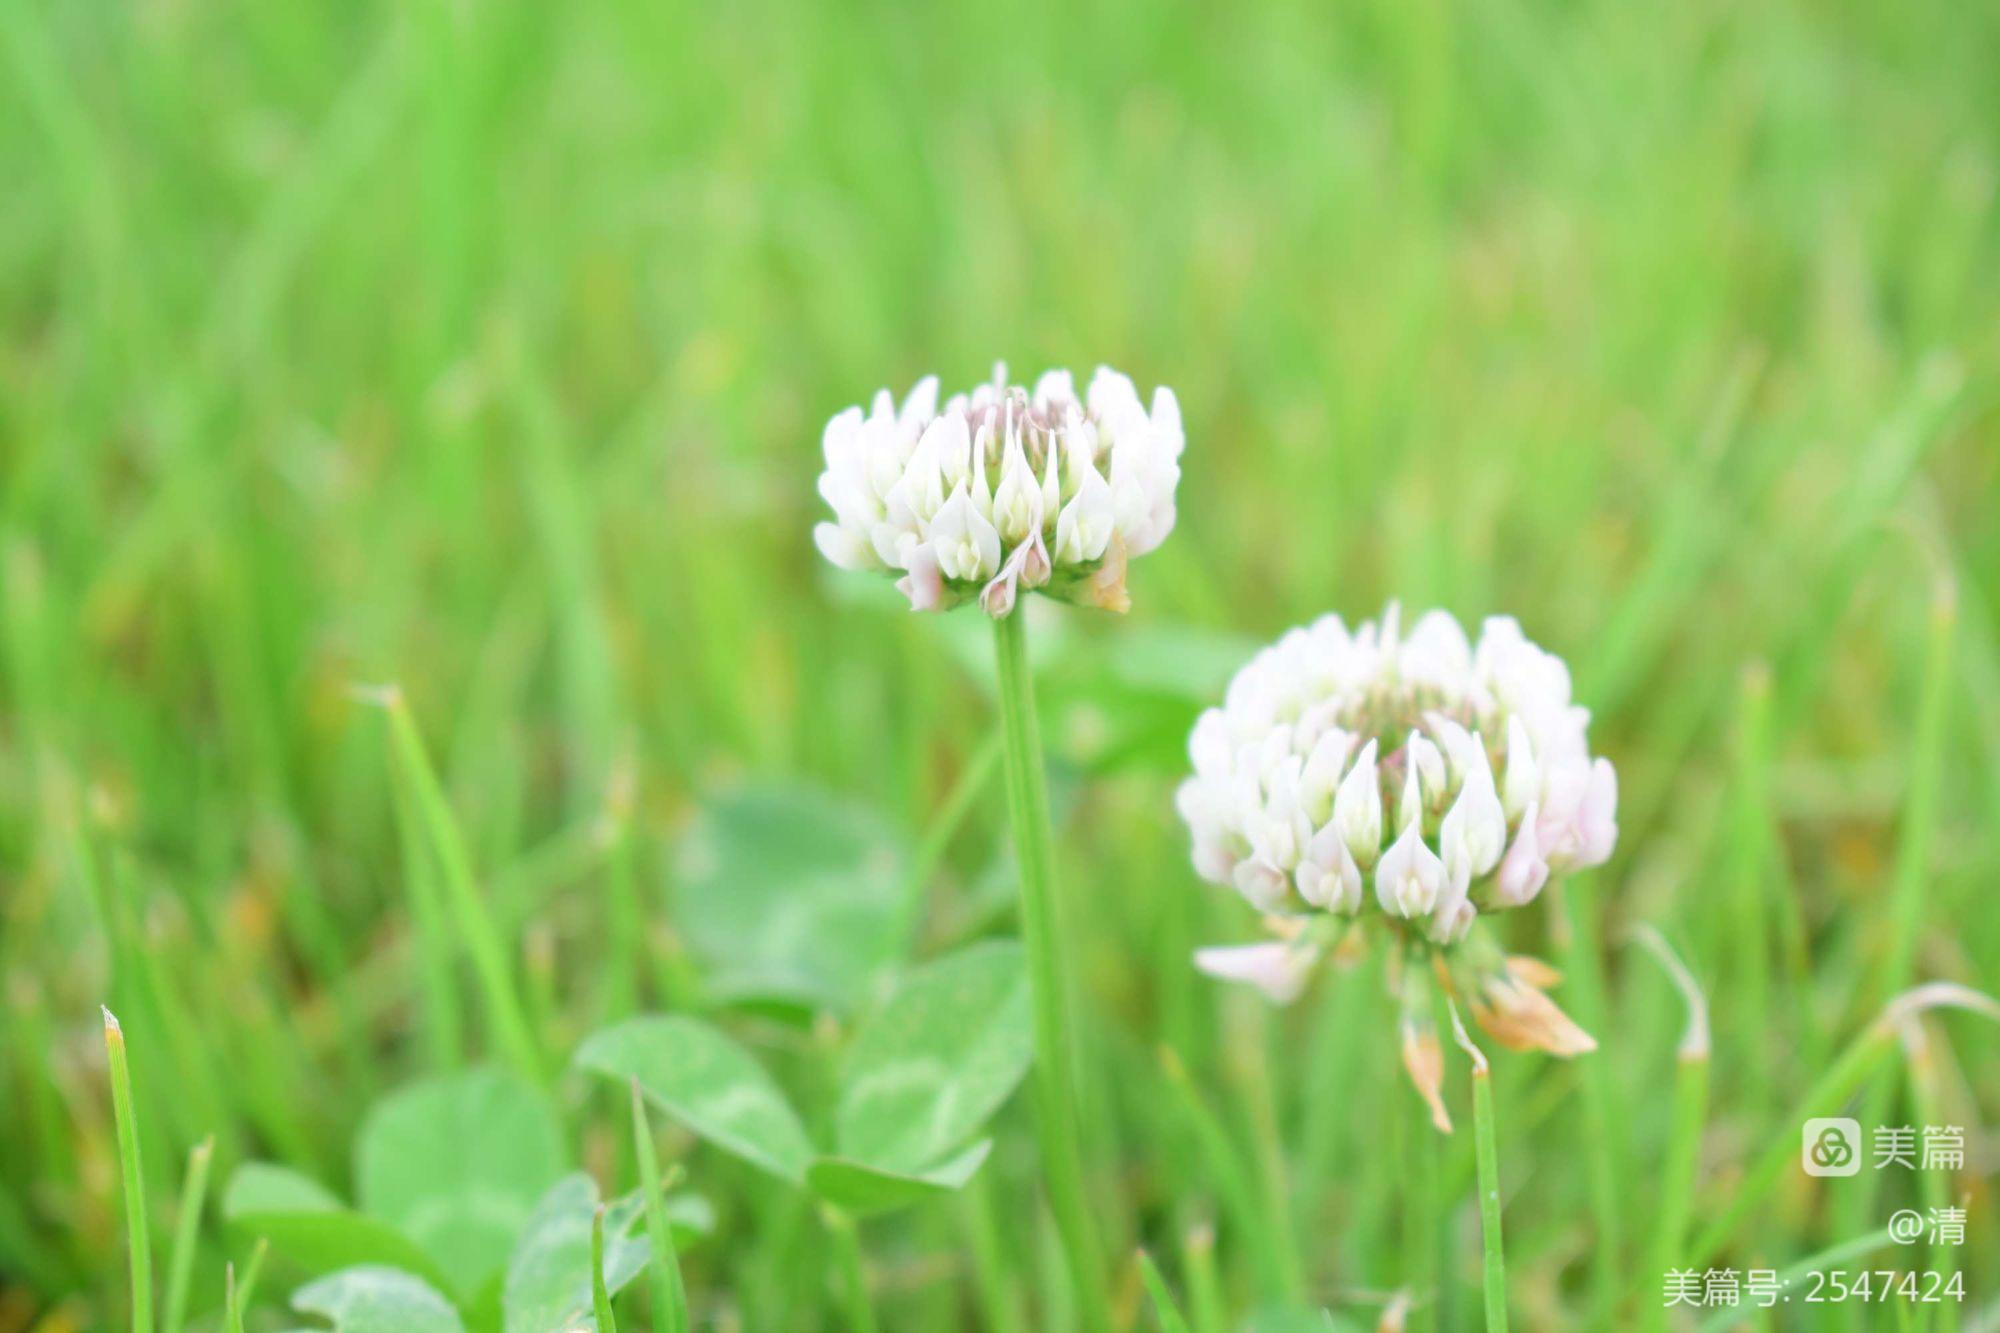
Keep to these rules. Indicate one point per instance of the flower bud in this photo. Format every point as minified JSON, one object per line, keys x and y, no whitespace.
{"x":1357,"y":809}
{"x":1409,"y":877}
{"x":1474,"y":833}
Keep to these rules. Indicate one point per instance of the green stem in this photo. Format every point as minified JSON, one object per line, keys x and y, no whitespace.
{"x":600,"y":1295}
{"x":232,"y":1301}
{"x":1486,"y":1146}
{"x":1827,"y":1258}
{"x":135,"y":1184}
{"x":1250,"y":1212}
{"x":1204,"y":1286}
{"x":992,"y":1271}
{"x":505,"y":1011}
{"x":670,"y":1312}
{"x":1690,"y":1109}
{"x":180,"y":1266}
{"x":443,"y":1027}
{"x":853,"y":1272}
{"x":1420,"y":1222}
{"x":1169,"y":1314}
{"x":1833,"y":1088}
{"x":1054,"y":1086}
{"x":625,"y":916}
{"x":1603,"y":1116}
{"x":1911,"y":882}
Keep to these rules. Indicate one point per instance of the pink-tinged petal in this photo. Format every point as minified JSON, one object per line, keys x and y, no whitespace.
{"x":1597,"y":819}
{"x":923,"y":584}
{"x":1279,"y":970}
{"x":1522,"y":870}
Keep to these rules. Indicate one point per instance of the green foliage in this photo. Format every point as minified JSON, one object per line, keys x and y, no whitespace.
{"x":549,"y":1276}
{"x":313,"y":1230}
{"x":925,"y":1071}
{"x":702,"y":1078}
{"x":377,"y":1300}
{"x":862,"y":1188}
{"x":457,"y":1163}
{"x":789,"y":895}
{"x":485,"y":349}
{"x":936,"y":1060}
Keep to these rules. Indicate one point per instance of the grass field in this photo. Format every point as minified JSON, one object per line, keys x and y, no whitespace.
{"x":484,"y":349}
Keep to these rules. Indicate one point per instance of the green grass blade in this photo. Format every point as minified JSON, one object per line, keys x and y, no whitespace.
{"x":232,"y":1302}
{"x":505,"y":1010}
{"x":137,"y":1227}
{"x":1204,"y":1285}
{"x":180,"y":1267}
{"x":600,"y":1297}
{"x":1486,"y":1155}
{"x":1827,"y":1258}
{"x":1835,"y":1086}
{"x":670,"y":1309}
{"x":1164,"y":1309}
{"x":246,"y":1286}
{"x":1690,"y":1106}
{"x":444,"y":1028}
{"x":853,"y":1270}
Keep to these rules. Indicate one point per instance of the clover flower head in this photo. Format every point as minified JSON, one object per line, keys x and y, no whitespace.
{"x":1412,"y":775}
{"x":1450,"y":778}
{"x":1003,"y":489}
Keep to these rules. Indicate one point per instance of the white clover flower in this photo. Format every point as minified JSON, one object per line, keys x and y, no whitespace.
{"x":1477,"y":751}
{"x":1003,"y":489}
{"x":1450,"y":778}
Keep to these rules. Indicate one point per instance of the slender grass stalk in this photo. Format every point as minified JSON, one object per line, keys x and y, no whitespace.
{"x":1237,"y":1179}
{"x":943,"y":825}
{"x":1204,"y":1286}
{"x":1054,"y":1084}
{"x":992,"y":1269}
{"x":670,"y":1309}
{"x":1581,"y":932}
{"x":1420,"y":1219}
{"x":853,"y":1270}
{"x":1835,"y":1086}
{"x":444,"y":1027}
{"x":600,"y":1296}
{"x":1910,"y":882}
{"x":137,"y":1234}
{"x":1164,"y":1309}
{"x":246,"y":1286}
{"x":180,"y":1266}
{"x":1690,"y":1108}
{"x":232,"y":1301}
{"x":1826,"y":1258}
{"x":505,"y":1011}
{"x":1493,"y":1259}
{"x":1919,"y":822}
{"x":1486,"y":1152}
{"x":1268,"y":1151}
{"x":1749,"y":880}
{"x":624,"y":916}
{"x":1934,"y":1186}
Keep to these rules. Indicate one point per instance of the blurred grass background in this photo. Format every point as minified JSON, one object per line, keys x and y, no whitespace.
{"x":485,"y":348}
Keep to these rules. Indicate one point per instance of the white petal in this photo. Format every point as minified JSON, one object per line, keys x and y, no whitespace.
{"x":1524,"y":775}
{"x":1409,"y":878}
{"x":1522,"y":870}
{"x":1357,"y":808}
{"x":1280,"y":970}
{"x":843,"y":548}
